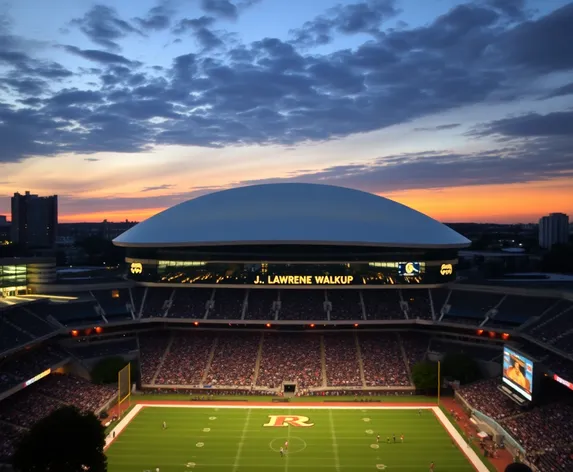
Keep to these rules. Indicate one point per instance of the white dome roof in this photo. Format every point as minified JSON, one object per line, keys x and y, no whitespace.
{"x":291,"y":213}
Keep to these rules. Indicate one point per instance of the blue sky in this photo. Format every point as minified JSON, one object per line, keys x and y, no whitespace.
{"x":462,"y":110}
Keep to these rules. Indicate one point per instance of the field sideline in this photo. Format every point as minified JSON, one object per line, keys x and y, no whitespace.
{"x":469,"y":453}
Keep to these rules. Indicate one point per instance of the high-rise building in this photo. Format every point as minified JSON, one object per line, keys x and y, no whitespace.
{"x":34,"y":221}
{"x":553,"y":229}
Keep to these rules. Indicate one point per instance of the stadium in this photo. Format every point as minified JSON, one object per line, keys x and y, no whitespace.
{"x":295,"y":313}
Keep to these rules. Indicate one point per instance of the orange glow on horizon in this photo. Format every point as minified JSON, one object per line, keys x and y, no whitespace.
{"x":509,"y":203}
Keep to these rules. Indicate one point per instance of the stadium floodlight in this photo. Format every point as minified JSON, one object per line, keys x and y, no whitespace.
{"x":124,"y":387}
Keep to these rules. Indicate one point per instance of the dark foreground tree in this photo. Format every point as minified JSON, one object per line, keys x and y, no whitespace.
{"x":425,"y":377}
{"x":65,"y":441}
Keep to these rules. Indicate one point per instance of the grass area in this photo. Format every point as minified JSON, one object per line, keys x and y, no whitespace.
{"x":266,"y":398}
{"x":236,"y":440}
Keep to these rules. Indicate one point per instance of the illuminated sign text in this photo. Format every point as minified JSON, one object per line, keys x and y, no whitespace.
{"x":136,"y":268}
{"x":305,"y":280}
{"x":37,"y":377}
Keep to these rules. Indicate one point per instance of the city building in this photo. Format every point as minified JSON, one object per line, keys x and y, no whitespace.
{"x":17,"y":274}
{"x":34,"y":221}
{"x":553,"y":229}
{"x":4,"y":230}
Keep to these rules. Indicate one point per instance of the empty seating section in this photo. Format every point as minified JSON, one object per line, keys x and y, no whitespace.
{"x":152,"y":349}
{"x":302,"y":305}
{"x":9,"y":435}
{"x":76,"y":313}
{"x":342,"y":368}
{"x":27,"y":364}
{"x":186,"y":359}
{"x":557,"y":321}
{"x":260,"y":304}
{"x":137,"y":294}
{"x":470,"y":306}
{"x":155,"y":302}
{"x":10,"y":336}
{"x":419,"y":306}
{"x":290,"y":357}
{"x":228,"y":304}
{"x":190,"y":303}
{"x":517,"y":310}
{"x":439,"y":297}
{"x":383,"y":361}
{"x":234,"y":360}
{"x":479,"y":352}
{"x":26,"y":320}
{"x":116,"y":304}
{"x":382,"y":304}
{"x":346,"y":305}
{"x":104,"y":349}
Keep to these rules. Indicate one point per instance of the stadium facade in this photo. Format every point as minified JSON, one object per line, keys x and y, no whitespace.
{"x":291,"y":235}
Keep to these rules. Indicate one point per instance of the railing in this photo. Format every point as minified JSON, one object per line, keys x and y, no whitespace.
{"x":508,"y":439}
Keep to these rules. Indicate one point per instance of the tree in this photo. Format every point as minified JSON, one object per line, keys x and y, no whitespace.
{"x":461,"y":367}
{"x":425,"y":376}
{"x":67,"y":440}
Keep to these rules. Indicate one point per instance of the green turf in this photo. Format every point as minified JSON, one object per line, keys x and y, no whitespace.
{"x":237,"y":441}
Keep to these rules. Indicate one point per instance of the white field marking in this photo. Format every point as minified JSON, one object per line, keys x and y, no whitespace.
{"x":334,"y":443}
{"x":286,"y":407}
{"x":122,"y":425}
{"x":200,"y":444}
{"x":374,"y":446}
{"x":469,"y":452}
{"x":291,"y":451}
{"x":212,"y":418}
{"x":366,"y":420}
{"x":206,"y":430}
{"x":288,"y":440}
{"x":242,"y":441}
{"x":369,"y":431}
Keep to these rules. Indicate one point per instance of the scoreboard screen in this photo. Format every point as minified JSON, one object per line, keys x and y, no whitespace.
{"x":518,"y":372}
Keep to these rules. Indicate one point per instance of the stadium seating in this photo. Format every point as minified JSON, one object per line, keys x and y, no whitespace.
{"x":188,"y":302}
{"x":418,"y":302}
{"x":302,"y":305}
{"x":342,"y":361}
{"x":383,"y":360}
{"x":116,"y":304}
{"x":290,"y":357}
{"x":152,"y":348}
{"x":516,"y":310}
{"x":346,"y":305}
{"x":83,"y":350}
{"x":260,"y":304}
{"x":234,"y":360}
{"x":415,"y":347}
{"x":470,"y":306}
{"x":485,"y":353}
{"x":382,"y":305}
{"x":228,"y":304}
{"x":155,"y":302}
{"x":485,"y":397}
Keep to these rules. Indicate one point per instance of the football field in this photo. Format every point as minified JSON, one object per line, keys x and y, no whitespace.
{"x":249,"y":438}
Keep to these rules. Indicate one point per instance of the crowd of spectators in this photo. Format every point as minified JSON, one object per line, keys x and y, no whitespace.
{"x":152,"y":348}
{"x":155,"y":302}
{"x":186,"y":360}
{"x":104,"y":349}
{"x":485,"y":397}
{"x":290,"y":357}
{"x":24,"y":365}
{"x":383,"y":360}
{"x":341,"y":357}
{"x":415,"y":347}
{"x":23,"y":409}
{"x":234,"y":359}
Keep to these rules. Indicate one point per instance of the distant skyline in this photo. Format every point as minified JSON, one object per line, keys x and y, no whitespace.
{"x":461,"y":110}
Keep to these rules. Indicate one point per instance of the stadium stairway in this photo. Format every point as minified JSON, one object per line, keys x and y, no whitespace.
{"x":163,"y":357}
{"x":323,"y":362}
{"x":210,"y":360}
{"x":359,"y":356}
{"x":258,"y":361}
{"x":405,"y":358}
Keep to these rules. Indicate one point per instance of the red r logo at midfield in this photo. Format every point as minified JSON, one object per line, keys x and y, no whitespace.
{"x":283,"y":421}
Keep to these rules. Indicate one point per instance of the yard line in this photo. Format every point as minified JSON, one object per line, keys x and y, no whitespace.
{"x":243,"y":436}
{"x":288,"y":440}
{"x":334,"y":443}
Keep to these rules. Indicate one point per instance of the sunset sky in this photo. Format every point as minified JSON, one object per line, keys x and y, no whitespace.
{"x":462,"y":110}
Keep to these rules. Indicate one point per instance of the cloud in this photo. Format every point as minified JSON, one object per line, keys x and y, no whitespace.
{"x":95,"y":55}
{"x":439,"y":127}
{"x":560,"y":91}
{"x":220,"y":8}
{"x":158,"y":187}
{"x":158,"y":18}
{"x":363,"y":17}
{"x":104,"y":27}
{"x":91,"y":159}
{"x":530,"y":125}
{"x":272,"y":92}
